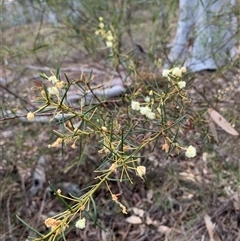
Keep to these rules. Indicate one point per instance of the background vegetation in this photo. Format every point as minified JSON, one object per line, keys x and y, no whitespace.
{"x":176,"y":193}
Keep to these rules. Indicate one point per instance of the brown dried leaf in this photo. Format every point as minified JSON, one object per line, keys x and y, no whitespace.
{"x":139,"y":212}
{"x":222,"y":122}
{"x":236,"y":201}
{"x":187,"y":176}
{"x":212,"y":129}
{"x":210,"y":226}
{"x":165,"y":147}
{"x":211,"y":229}
{"x":164,"y":229}
{"x":149,"y":221}
{"x":150,"y":195}
{"x":134,"y":220}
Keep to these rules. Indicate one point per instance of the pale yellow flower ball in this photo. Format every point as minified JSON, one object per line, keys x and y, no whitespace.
{"x":109,"y":44}
{"x":166,"y":72}
{"x":135,"y":105}
{"x":141,"y":171}
{"x":177,"y":72}
{"x":81,"y":223}
{"x":53,"y":79}
{"x":181,"y":84}
{"x":101,"y":25}
{"x":190,"y":152}
{"x":53,"y":91}
{"x":30,"y":116}
{"x":61,"y":84}
{"x":104,"y":129}
{"x":147,"y":99}
{"x":145,"y":110}
{"x":110,"y":38}
{"x":151,"y":115}
{"x":183,"y":69}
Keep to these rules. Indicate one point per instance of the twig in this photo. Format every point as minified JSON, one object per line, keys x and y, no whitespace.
{"x":15,"y":95}
{"x":80,"y":69}
{"x":9,"y":217}
{"x":24,"y":115}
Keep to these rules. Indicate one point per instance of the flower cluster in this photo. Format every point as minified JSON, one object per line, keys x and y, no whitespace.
{"x":175,"y":73}
{"x":135,"y":105}
{"x":105,"y":33}
{"x":57,"y":143}
{"x":54,"y":89}
{"x":123,"y":154}
{"x":144,"y":110}
{"x":55,"y":225}
{"x":56,"y":85}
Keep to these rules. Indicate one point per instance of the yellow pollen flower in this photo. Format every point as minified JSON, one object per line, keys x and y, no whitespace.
{"x":191,"y":152}
{"x":30,"y":116}
{"x":177,"y":72}
{"x":181,"y":84}
{"x":81,"y":223}
{"x":183,"y":69}
{"x":141,"y":171}
{"x":101,"y":25}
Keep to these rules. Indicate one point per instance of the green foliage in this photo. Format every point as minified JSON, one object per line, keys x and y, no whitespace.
{"x":123,"y":132}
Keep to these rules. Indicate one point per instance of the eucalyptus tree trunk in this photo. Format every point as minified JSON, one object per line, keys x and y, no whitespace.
{"x":205,"y":37}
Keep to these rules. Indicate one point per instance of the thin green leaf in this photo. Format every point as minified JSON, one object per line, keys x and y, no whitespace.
{"x":65,"y":93}
{"x":46,"y":92}
{"x":26,"y":224}
{"x":94,"y":211}
{"x":44,"y":76}
{"x":61,"y":199}
{"x":39,"y":47}
{"x":69,"y":82}
{"x":58,"y":72}
{"x":97,"y":224}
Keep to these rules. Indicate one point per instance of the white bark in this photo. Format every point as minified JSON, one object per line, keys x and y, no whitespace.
{"x":210,"y":25}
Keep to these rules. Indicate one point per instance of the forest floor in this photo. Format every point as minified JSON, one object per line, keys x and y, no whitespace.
{"x":173,"y":203}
